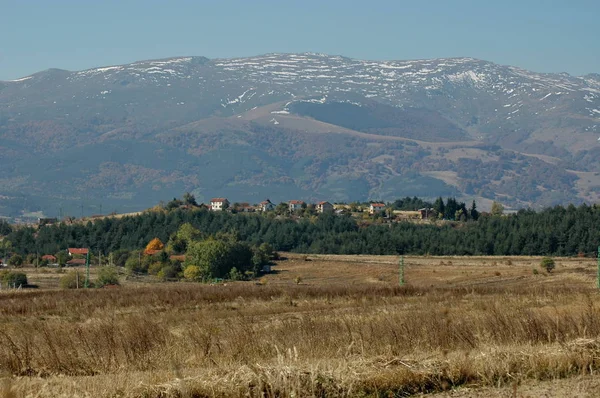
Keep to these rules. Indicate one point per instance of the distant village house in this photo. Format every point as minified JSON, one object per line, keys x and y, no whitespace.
{"x":295,"y":205}
{"x":266,"y":205}
{"x":375,"y":208}
{"x":323,"y":207}
{"x":219,"y":204}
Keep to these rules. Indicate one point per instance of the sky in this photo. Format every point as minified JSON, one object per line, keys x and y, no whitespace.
{"x":542,"y":36}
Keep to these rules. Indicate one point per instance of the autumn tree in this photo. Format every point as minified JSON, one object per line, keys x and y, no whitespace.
{"x":155,"y":244}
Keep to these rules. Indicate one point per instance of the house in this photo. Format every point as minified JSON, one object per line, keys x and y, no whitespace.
{"x":218,"y":204}
{"x":266,"y":205}
{"x":426,"y":212}
{"x":323,"y":207}
{"x":50,"y":258}
{"x":245,"y":208}
{"x":47,"y":221}
{"x":295,"y":205}
{"x":75,"y":262}
{"x":79,"y":251}
{"x":375,"y":208}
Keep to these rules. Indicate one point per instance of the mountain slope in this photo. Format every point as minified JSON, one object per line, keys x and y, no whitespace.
{"x":308,"y":126}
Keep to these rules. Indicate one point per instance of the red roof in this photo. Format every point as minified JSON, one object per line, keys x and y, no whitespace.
{"x":76,"y":261}
{"x":265,"y":202}
{"x":324,"y":202}
{"x":296,"y":202}
{"x":219,"y":200}
{"x":74,"y":250}
{"x":377,"y":205}
{"x":48,"y":257}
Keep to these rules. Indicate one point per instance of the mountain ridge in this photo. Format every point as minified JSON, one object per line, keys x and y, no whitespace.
{"x":485,"y":131}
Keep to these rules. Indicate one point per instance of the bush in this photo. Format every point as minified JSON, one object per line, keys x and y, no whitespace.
{"x":235,"y":275}
{"x":13,"y":278}
{"x":169,"y":271}
{"x":108,"y":275}
{"x":69,"y":281}
{"x":548,"y":264}
{"x":15,"y":261}
{"x":192,"y":273}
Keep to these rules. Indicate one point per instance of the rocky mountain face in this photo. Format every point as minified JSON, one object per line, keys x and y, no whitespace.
{"x":296,"y":126}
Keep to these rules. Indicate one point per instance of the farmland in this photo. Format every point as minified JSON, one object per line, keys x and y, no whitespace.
{"x":318,"y":325}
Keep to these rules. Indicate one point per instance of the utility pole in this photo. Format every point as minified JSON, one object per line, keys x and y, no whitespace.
{"x":87,"y":269}
{"x":401,"y":271}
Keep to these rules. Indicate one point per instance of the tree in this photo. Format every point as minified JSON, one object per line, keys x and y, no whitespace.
{"x":439,"y":207}
{"x":215,"y":258}
{"x":473,"y":213}
{"x":189,"y":199}
{"x":497,"y":209}
{"x":15,"y":261}
{"x":548,"y":264}
{"x":61,"y":258}
{"x":155,"y":244}
{"x":5,"y":247}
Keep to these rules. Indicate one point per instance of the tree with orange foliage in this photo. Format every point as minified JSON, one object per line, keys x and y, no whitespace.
{"x":154,"y":245}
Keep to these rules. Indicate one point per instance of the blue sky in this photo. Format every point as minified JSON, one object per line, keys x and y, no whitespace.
{"x":544,"y":36}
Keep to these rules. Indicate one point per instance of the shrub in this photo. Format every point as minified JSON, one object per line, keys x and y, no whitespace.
{"x":13,"y":278}
{"x":169,"y":271}
{"x":154,"y":268}
{"x":235,"y":275}
{"x":15,"y":261}
{"x":548,"y":264}
{"x":192,"y":273}
{"x":108,"y":275}
{"x":69,"y":281}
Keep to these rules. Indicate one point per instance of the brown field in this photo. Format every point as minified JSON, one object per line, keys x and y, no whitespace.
{"x":317,"y":326}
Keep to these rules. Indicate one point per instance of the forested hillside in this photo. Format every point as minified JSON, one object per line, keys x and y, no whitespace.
{"x":554,"y":231}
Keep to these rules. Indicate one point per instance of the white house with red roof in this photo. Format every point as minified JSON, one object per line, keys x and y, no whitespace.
{"x":295,"y":205}
{"x":266,"y":205}
{"x":219,"y":204}
{"x":375,"y":208}
{"x":323,"y":207}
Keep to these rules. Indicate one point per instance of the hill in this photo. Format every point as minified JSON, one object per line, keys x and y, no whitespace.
{"x":295,"y":126}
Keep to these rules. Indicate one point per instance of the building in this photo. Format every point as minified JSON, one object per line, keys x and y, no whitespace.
{"x":323,"y":207}
{"x":219,"y":204}
{"x":295,"y":205}
{"x":47,"y":221}
{"x":80,"y":251}
{"x":266,"y":205}
{"x":375,"y":208}
{"x":426,"y":212}
{"x":76,"y":262}
{"x":245,"y":208}
{"x":50,"y":258}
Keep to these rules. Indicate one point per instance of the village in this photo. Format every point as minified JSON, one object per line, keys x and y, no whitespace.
{"x":296,"y":207}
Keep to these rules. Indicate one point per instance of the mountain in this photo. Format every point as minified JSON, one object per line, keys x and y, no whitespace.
{"x":296,"y":126}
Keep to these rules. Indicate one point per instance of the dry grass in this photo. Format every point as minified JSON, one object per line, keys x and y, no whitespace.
{"x":346,"y":330}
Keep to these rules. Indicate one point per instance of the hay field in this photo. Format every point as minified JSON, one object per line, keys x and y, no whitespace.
{"x":317,"y":326}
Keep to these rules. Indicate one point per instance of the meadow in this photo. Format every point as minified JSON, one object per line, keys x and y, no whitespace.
{"x":320,"y":325}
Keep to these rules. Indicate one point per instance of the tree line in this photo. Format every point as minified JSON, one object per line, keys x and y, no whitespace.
{"x":556,"y":231}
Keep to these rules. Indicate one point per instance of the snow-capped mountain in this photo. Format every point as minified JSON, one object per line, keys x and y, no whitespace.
{"x":501,"y":117}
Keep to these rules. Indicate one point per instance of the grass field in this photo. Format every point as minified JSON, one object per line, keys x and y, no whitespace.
{"x":317,"y":326}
